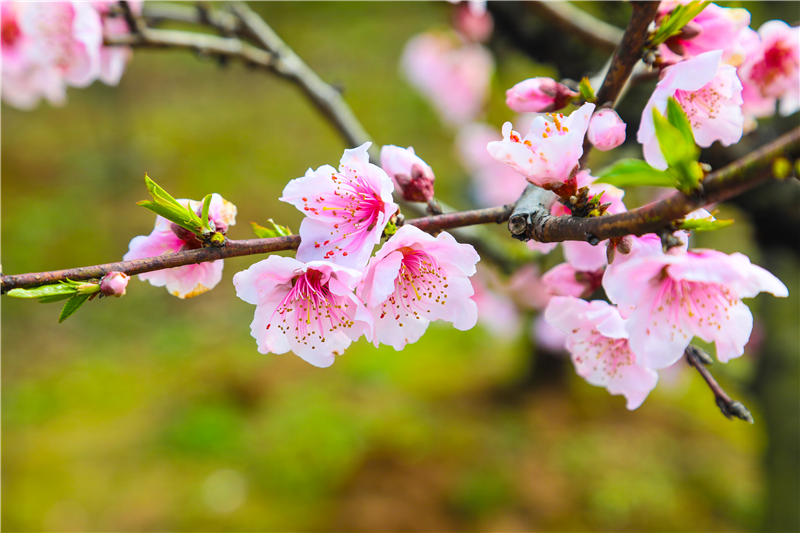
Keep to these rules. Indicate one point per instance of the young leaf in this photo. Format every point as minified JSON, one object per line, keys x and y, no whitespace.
{"x":704,"y":224}
{"x":43,"y":291}
{"x":586,"y":90}
{"x":72,"y":305}
{"x":206,"y":205}
{"x":276,"y":231}
{"x":673,"y":23}
{"x":673,"y":144}
{"x":631,"y":172}
{"x":170,"y":212}
{"x":158,"y":194}
{"x":677,"y":117}
{"x":54,"y":298}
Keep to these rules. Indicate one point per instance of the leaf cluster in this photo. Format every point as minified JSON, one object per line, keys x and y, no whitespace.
{"x":674,"y":22}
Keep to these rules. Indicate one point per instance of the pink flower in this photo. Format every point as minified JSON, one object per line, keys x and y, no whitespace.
{"x":46,"y":46}
{"x":606,"y":130}
{"x":346,"y":211}
{"x":416,"y":278}
{"x":409,"y":173}
{"x":548,"y":155}
{"x":539,"y":95}
{"x":527,"y":288}
{"x":494,"y":183}
{"x":114,"y":59}
{"x":679,"y":295}
{"x":453,"y":76}
{"x":114,"y":284}
{"x":715,"y":28}
{"x":190,"y":280}
{"x":308,"y":308}
{"x":564,"y":280}
{"x":711,"y":95}
{"x":598,"y":344}
{"x":772,"y":71}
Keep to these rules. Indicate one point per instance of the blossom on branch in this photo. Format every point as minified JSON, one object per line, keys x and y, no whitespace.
{"x":548,"y":155}
{"x":771,"y":71}
{"x":410,"y":174}
{"x":416,"y":278}
{"x":114,"y":284}
{"x":711,"y":95}
{"x":715,"y":28}
{"x":346,"y":210}
{"x":539,"y":95}
{"x":683,"y":294}
{"x":47,"y":46}
{"x":598,"y":344}
{"x":189,"y":280}
{"x":308,"y":308}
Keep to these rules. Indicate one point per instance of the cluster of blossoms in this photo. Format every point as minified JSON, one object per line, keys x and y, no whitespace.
{"x":47,"y":46}
{"x":723,"y":75}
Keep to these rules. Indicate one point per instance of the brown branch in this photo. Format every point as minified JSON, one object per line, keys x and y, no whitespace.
{"x":625,"y":58}
{"x":235,"y":249}
{"x":629,"y":51}
{"x":730,"y":408}
{"x":534,"y":221}
{"x":578,"y":22}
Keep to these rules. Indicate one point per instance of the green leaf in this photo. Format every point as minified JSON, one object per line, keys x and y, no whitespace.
{"x":54,"y":298}
{"x":675,"y":21}
{"x":276,"y":231}
{"x":206,"y":205}
{"x":673,"y":144}
{"x":159,"y":194}
{"x":72,"y":305}
{"x":43,"y":291}
{"x":677,"y":117}
{"x":171,"y":213}
{"x":631,"y":172}
{"x":586,"y":91}
{"x":704,"y":224}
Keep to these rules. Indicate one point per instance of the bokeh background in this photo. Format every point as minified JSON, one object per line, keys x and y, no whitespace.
{"x":150,"y":413}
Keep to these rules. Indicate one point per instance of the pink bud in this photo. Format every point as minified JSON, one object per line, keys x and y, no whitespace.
{"x":411,"y":174}
{"x":606,"y":130}
{"x":539,"y":95}
{"x":114,"y":283}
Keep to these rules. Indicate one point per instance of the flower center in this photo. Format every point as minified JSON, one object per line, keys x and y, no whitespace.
{"x":316,"y":310}
{"x":9,"y":31}
{"x":420,"y":284}
{"x":777,"y":62}
{"x":703,"y":103}
{"x":610,"y":353}
{"x":354,"y":208}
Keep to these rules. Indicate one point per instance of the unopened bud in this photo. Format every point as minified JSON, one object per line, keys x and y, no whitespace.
{"x":606,"y":130}
{"x":114,"y":283}
{"x":412,"y":176}
{"x":539,"y":95}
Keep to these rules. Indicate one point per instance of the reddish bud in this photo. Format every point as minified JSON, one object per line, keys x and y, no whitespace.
{"x":114,"y":283}
{"x":539,"y":95}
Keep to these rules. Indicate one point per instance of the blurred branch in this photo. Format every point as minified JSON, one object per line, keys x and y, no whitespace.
{"x":578,"y":22}
{"x":730,"y":408}
{"x":222,"y":21}
{"x":532,"y":219}
{"x":235,"y":249}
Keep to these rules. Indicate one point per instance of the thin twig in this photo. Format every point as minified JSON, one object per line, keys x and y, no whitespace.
{"x":222,"y":21}
{"x":729,"y":407}
{"x":578,"y":22}
{"x":235,"y":249}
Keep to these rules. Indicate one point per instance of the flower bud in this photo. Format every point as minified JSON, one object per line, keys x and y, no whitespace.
{"x":539,"y":95}
{"x":410,"y":174}
{"x":114,"y":283}
{"x":606,"y":130}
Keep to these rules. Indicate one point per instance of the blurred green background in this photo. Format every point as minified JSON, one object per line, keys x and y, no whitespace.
{"x":150,"y":413}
